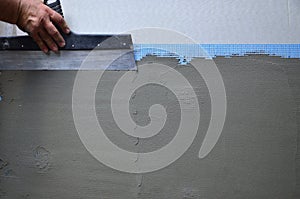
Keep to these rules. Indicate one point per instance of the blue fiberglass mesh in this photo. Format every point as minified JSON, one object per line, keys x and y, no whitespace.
{"x":186,"y":52}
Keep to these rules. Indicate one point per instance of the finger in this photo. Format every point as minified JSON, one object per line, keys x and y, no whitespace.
{"x":48,"y":40}
{"x":40,"y":43}
{"x":59,"y":20}
{"x":54,"y":33}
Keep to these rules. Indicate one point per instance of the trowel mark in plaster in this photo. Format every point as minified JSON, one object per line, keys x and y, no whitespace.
{"x":41,"y":156}
{"x":138,"y":188}
{"x":3,"y":168}
{"x":189,"y":193}
{"x":2,"y":193}
{"x":1,"y":93}
{"x":139,"y":180}
{"x":5,"y":171}
{"x":3,"y":164}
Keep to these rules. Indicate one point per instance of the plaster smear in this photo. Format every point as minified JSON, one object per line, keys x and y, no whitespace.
{"x":41,"y":156}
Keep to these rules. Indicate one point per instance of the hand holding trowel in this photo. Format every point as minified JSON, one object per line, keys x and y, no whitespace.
{"x":49,"y":30}
{"x":38,"y":20}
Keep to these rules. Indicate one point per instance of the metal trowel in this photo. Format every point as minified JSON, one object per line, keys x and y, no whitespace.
{"x":81,"y":52}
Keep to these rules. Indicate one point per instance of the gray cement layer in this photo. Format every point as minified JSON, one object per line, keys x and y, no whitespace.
{"x":42,"y":157}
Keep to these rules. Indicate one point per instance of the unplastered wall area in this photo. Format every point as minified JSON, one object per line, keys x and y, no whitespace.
{"x":8,"y":29}
{"x":205,"y":21}
{"x":222,"y":27}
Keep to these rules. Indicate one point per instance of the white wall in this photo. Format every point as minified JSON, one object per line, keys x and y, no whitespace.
{"x":7,"y":29}
{"x":206,"y":21}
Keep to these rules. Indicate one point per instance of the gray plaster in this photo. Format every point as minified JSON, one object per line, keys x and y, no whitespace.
{"x":41,"y":155}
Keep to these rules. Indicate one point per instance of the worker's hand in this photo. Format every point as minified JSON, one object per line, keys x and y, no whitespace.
{"x":38,"y":21}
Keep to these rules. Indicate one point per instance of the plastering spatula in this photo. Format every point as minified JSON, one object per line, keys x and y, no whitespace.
{"x":86,"y":52}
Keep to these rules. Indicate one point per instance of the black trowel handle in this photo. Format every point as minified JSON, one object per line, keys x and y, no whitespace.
{"x":55,"y":5}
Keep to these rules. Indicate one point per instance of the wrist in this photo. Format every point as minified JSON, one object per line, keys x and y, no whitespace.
{"x":18,"y":11}
{"x":9,"y":11}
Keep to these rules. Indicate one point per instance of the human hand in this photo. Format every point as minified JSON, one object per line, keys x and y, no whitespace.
{"x":38,"y":21}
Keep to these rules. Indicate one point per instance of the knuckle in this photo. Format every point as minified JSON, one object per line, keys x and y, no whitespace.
{"x":48,"y":41}
{"x":40,"y":43}
{"x":57,"y":18}
{"x":54,"y":33}
{"x":34,"y":33}
{"x":35,"y":27}
{"x":60,"y":20}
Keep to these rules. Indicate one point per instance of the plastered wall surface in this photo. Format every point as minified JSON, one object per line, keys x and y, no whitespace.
{"x":42,"y":156}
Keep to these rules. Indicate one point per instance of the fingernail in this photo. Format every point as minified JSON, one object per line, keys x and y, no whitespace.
{"x":45,"y":50}
{"x":68,"y":30}
{"x":54,"y":48}
{"x":62,"y":44}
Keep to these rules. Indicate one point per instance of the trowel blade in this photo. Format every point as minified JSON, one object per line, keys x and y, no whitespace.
{"x":82,"y":52}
